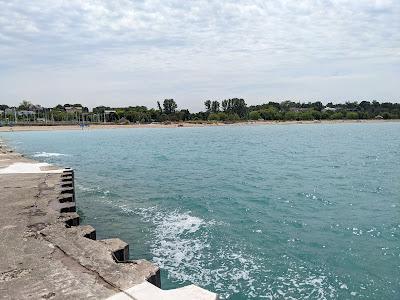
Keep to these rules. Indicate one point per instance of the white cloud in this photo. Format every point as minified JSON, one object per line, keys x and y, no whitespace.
{"x":142,"y":50}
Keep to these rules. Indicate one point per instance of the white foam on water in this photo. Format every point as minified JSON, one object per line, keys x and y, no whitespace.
{"x":185,"y":246}
{"x":84,"y":188}
{"x":90,"y":189}
{"x":181,"y":245}
{"x":48,"y":154}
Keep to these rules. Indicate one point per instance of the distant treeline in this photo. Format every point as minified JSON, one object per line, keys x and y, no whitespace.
{"x":229,"y":110}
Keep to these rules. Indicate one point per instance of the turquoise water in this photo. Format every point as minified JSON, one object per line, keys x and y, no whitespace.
{"x":250,"y":212}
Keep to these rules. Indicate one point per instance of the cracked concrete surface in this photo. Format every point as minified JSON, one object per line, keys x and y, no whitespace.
{"x":44,"y":259}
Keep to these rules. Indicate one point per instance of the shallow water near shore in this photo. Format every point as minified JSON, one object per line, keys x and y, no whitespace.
{"x":250,"y":212}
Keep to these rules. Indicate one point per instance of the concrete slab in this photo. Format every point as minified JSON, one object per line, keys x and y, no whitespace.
{"x":147,"y":291}
{"x":41,"y":257}
{"x":27,"y":168}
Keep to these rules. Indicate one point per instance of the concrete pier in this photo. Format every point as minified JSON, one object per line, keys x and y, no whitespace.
{"x":47,"y":255}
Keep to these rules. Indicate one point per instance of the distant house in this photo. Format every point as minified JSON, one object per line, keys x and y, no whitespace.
{"x":298,"y":109}
{"x":9,"y":111}
{"x":109,"y":115}
{"x":329,"y":109}
{"x":36,"y":108}
{"x":73,"y":109}
{"x":26,"y":113}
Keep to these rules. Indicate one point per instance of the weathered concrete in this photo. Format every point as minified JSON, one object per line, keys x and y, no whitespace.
{"x":147,"y":291}
{"x":41,"y":256}
{"x":118,"y":248}
{"x":46,"y":255}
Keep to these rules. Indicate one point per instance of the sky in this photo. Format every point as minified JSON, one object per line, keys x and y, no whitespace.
{"x":125,"y":52}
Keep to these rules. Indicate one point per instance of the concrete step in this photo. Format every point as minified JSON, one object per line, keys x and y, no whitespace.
{"x":70,"y":219}
{"x":66,"y":198}
{"x":67,"y":184}
{"x":67,"y":207}
{"x":87,"y":231}
{"x":118,"y":248}
{"x":67,"y":190}
{"x":66,"y":175}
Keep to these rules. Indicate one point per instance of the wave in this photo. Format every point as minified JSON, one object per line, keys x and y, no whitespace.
{"x":96,"y":190}
{"x":189,"y":248}
{"x":48,"y":154}
{"x":194,"y":250}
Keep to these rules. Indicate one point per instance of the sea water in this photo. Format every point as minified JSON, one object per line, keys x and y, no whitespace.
{"x":250,"y":212}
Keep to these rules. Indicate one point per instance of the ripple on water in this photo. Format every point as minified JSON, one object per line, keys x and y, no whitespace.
{"x":326,"y":196}
{"x":186,"y":247}
{"x":48,"y":154}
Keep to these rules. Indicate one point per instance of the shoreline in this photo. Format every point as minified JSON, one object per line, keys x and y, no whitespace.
{"x":184,"y":124}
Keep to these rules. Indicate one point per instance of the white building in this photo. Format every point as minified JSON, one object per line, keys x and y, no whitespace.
{"x":26,"y":113}
{"x":73,"y":109}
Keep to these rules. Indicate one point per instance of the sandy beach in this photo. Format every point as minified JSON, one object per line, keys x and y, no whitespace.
{"x":178,"y":125}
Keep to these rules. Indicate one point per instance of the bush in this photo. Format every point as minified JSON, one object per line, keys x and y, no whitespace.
{"x":214,"y":117}
{"x":351,"y":115}
{"x":270,"y":114}
{"x":232,"y":117}
{"x":254,"y":115}
{"x":306,"y":116}
{"x":290,"y":115}
{"x":337,"y":116}
{"x":222,"y":116}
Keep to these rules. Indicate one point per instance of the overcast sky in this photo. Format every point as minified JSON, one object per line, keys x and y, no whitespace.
{"x":124,"y":52}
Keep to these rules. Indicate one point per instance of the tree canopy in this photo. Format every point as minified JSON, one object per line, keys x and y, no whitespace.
{"x":226,"y":110}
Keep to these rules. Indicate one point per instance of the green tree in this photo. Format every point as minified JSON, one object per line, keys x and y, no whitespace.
{"x":207,"y":104}
{"x":271,"y":113}
{"x":159,"y":106}
{"x":351,"y":115}
{"x":306,"y":115}
{"x":318,"y":106}
{"x":235,"y":106}
{"x":337,"y":116}
{"x":25,"y":105}
{"x":291,"y":115}
{"x":254,"y":115}
{"x":169,"y":106}
{"x":239,"y":107}
{"x":225,"y":105}
{"x":184,"y":115}
{"x":215,"y":106}
{"x":232,"y":117}
{"x":214,"y":117}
